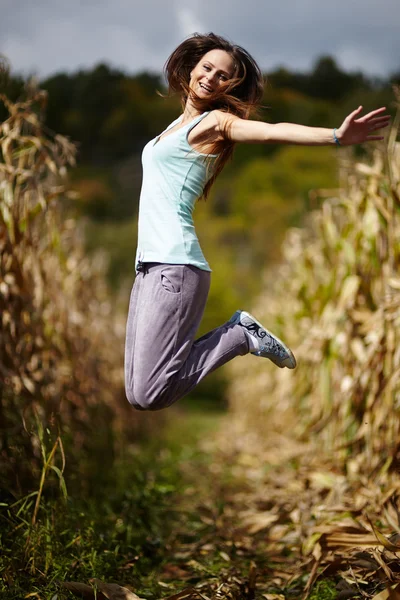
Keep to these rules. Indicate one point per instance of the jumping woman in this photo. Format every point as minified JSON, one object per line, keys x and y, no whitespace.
{"x":220,"y":86}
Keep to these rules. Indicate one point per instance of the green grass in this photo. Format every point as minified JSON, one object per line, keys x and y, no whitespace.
{"x":119,"y":533}
{"x":117,"y":536}
{"x":324,"y":590}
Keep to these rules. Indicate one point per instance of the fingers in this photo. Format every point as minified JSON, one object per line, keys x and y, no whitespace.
{"x":361,"y":128}
{"x":379,"y":120}
{"x":372,"y":114}
{"x":355,"y":113}
{"x":377,"y":127}
{"x":378,"y":124}
{"x":376,"y":112}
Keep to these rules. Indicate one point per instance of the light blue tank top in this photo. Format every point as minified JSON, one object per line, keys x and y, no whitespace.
{"x":174,"y":176}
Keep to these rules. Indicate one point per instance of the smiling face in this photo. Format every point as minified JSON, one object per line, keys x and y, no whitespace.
{"x":214,"y":68}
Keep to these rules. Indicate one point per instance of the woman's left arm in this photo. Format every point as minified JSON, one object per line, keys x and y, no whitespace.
{"x":353,"y":130}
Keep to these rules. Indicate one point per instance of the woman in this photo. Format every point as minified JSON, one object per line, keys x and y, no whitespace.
{"x":220,"y":86}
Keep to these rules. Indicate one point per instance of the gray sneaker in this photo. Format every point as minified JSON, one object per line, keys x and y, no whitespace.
{"x":270,"y":346}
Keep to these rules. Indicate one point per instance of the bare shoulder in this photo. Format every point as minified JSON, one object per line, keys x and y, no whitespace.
{"x":223,"y":118}
{"x":212,"y":132}
{"x":228,"y":124}
{"x":235,"y":129}
{"x":216,"y":122}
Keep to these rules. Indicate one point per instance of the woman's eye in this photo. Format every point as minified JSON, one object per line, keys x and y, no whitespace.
{"x":206,"y":68}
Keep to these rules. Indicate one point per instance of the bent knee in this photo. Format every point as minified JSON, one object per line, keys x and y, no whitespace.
{"x":145,"y":399}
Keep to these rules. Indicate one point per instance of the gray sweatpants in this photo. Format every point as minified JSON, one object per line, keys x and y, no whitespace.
{"x":162,"y":360}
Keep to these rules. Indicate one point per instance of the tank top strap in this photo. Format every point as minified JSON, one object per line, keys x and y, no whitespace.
{"x":175,"y":122}
{"x":197,"y":120}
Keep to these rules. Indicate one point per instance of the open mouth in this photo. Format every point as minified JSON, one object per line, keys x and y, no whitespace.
{"x":205,"y":87}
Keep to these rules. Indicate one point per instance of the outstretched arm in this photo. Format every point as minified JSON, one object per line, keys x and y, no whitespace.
{"x":354,"y":130}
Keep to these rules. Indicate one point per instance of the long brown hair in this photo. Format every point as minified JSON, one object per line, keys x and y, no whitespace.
{"x":240,"y":95}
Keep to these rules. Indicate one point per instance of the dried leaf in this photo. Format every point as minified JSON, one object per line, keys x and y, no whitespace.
{"x":100,"y":591}
{"x":391,"y":593}
{"x":258,"y":521}
{"x":379,"y":559}
{"x":383,"y":595}
{"x":188,"y":593}
{"x":112,"y":591}
{"x":384,"y":541}
{"x":321,"y":480}
{"x":173,"y":571}
{"x":82,"y":590}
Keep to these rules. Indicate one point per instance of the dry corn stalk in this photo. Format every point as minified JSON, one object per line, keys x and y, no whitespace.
{"x":336,"y":300}
{"x":60,"y":344}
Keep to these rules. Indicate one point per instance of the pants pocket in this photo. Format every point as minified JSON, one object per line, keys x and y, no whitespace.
{"x":171,"y":278}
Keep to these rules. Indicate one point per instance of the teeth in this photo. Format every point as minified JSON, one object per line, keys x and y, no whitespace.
{"x":205,"y":87}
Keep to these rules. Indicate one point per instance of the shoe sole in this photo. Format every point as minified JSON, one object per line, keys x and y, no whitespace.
{"x":291,"y":359}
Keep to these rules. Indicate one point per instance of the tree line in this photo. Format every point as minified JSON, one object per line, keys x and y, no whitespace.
{"x":112,"y":114}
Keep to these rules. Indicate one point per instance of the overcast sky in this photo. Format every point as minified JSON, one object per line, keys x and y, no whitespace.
{"x":47,"y":36}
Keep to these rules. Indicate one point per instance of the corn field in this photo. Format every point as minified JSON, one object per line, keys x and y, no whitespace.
{"x":336,"y":300}
{"x":61,"y":345}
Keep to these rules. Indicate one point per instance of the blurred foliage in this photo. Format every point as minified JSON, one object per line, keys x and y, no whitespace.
{"x":335,"y":299}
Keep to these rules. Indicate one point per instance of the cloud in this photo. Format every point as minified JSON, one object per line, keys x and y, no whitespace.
{"x":46,"y":36}
{"x":188,"y":20}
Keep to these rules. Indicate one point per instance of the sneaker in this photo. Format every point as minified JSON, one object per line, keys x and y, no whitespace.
{"x":269,"y":346}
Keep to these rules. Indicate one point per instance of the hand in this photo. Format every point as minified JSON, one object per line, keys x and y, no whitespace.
{"x":357,"y":131}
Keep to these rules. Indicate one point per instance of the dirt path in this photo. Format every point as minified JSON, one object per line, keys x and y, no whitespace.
{"x":278,"y":524}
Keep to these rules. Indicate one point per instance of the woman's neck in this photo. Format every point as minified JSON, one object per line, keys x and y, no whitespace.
{"x":190,"y":112}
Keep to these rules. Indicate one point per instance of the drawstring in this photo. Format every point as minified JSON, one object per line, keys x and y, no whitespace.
{"x":142,"y":267}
